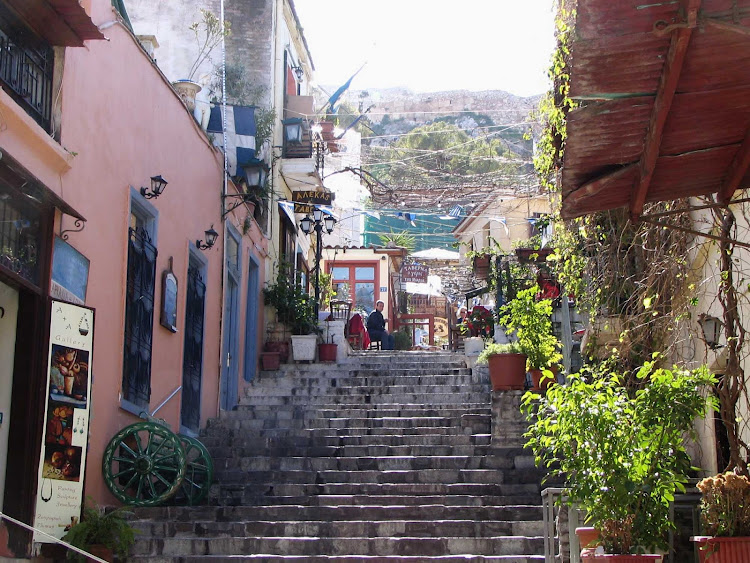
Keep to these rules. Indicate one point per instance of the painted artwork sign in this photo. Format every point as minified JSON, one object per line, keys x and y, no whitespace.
{"x":65,"y":436}
{"x":415,"y":273}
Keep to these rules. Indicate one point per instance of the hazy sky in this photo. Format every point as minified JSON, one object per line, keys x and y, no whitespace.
{"x":431,"y":45}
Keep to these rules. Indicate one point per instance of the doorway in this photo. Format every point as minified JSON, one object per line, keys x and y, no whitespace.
{"x":251,"y":319}
{"x":8,"y":318}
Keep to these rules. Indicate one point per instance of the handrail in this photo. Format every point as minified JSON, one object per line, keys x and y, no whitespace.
{"x":53,"y":538}
{"x":165,"y":401}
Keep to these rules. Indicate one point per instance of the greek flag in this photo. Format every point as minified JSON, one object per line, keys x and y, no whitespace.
{"x":240,"y":127}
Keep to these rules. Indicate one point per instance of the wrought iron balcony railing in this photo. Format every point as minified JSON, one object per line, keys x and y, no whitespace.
{"x":26,"y":74}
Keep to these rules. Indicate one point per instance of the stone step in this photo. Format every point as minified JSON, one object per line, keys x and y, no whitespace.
{"x":343,"y":411}
{"x":232,"y":452}
{"x":304,"y":412}
{"x":353,"y":399}
{"x":356,"y":432}
{"x":355,"y":423}
{"x":240,"y":493}
{"x":299,"y":439}
{"x":338,"y":559}
{"x":242,"y":496}
{"x":392,"y":546}
{"x":343,"y":529}
{"x":380,"y":463}
{"x":423,"y":473}
{"x":398,"y":388}
{"x":335,"y":512}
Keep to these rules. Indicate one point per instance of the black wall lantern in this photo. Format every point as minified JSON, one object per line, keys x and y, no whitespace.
{"x":298,"y":72}
{"x":293,"y":130}
{"x":157,"y":188}
{"x":211,"y":236}
{"x":711,"y":327}
{"x":256,"y":173}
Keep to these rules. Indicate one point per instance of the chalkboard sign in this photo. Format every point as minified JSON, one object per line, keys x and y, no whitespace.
{"x":169,"y":299}
{"x":70,"y":269}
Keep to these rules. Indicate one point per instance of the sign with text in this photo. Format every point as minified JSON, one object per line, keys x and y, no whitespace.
{"x":314,"y":197}
{"x":415,"y":273}
{"x":66,"y":430}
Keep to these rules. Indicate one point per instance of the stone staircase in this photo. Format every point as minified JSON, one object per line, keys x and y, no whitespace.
{"x":387,"y":457}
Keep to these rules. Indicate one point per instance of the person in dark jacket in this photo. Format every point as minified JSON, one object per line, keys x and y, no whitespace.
{"x":376,"y":328}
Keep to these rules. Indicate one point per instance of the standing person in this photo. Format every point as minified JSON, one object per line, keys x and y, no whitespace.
{"x":462,"y":314}
{"x":376,"y":327}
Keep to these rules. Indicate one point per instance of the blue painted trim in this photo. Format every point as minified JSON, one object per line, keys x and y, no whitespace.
{"x":251,"y":318}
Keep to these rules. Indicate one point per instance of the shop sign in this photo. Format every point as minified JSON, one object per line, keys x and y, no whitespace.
{"x":415,"y":273}
{"x":68,"y":404}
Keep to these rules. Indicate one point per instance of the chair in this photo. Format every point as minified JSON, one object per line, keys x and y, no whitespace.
{"x":456,"y":336}
{"x":340,"y":311}
{"x":358,"y":337}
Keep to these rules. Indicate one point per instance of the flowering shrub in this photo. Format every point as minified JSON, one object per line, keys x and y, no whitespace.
{"x":725,"y":507}
{"x":480,"y":322}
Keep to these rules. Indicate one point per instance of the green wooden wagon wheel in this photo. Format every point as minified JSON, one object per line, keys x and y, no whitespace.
{"x":144,"y":464}
{"x":199,"y":474}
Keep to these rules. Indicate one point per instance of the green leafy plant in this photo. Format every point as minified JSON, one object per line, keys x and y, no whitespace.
{"x":402,"y":239}
{"x":530,"y":319}
{"x":725,"y":505}
{"x":621,"y":452}
{"x":402,"y":340}
{"x":110,"y":529}
{"x":209,"y":33}
{"x":294,"y":306}
{"x":493,"y":349}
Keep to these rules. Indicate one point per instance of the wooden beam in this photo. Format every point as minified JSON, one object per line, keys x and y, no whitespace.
{"x":670,"y":77}
{"x":736,"y":171}
{"x":578,"y":202}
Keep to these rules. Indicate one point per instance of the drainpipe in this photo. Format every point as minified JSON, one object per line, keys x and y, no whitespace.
{"x":223,"y":199}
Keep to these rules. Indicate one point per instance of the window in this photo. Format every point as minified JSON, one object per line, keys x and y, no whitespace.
{"x":192,"y":360}
{"x":139,"y":304}
{"x":357,"y":283}
{"x":26,"y":67}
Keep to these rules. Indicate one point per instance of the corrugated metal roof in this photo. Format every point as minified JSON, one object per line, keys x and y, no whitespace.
{"x":620,"y":68}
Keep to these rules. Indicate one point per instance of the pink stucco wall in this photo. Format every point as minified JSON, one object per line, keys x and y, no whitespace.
{"x":127,"y":125}
{"x":121,"y":124}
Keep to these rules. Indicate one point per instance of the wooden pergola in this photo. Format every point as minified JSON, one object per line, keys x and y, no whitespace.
{"x":664,"y":88}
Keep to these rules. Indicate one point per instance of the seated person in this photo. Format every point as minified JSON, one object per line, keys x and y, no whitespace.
{"x":462,"y":314}
{"x":376,"y":328}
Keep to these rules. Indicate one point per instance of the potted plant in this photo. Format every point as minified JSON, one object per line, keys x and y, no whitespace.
{"x":101,"y":533}
{"x":530,"y":320}
{"x":294,"y":308}
{"x":621,"y":451}
{"x":270,"y":361}
{"x":209,"y":33}
{"x":507,"y":365}
{"x":327,"y":351}
{"x":725,"y":516}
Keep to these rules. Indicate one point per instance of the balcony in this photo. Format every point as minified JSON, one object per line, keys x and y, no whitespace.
{"x":303,"y":148}
{"x":26,"y":73}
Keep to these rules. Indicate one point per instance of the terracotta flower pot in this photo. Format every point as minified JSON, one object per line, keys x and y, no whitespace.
{"x":587,"y":535}
{"x":282,"y":347}
{"x":543,"y":384}
{"x":609,"y":558}
{"x":270,"y":361}
{"x":327,"y":352}
{"x":481,"y":266}
{"x":101,"y":551}
{"x":723,"y":550}
{"x":507,"y":371}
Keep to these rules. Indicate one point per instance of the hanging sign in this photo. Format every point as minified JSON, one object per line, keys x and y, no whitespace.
{"x":314,"y":197}
{"x":68,"y":404}
{"x":415,"y":273}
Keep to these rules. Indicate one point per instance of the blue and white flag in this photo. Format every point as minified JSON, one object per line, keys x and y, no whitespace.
{"x":241,"y":131}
